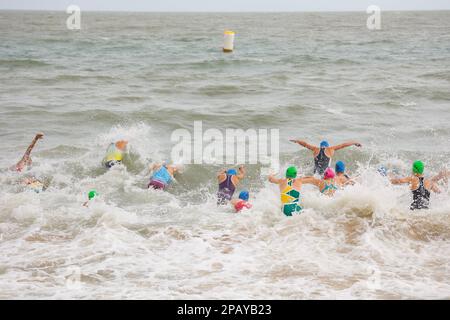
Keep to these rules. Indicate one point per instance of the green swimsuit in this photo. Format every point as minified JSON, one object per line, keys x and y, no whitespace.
{"x":290,"y":199}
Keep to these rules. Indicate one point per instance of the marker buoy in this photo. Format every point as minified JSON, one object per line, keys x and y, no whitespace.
{"x":228,"y":41}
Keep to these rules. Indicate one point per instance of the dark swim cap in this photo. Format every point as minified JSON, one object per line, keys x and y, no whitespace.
{"x":324,"y":144}
{"x":340,"y":167}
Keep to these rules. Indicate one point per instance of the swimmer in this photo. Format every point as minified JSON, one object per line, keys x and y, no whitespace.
{"x":34,"y":184}
{"x":163,"y":176}
{"x":327,"y":186}
{"x":115,"y":153}
{"x":290,"y":189}
{"x":242,"y":202}
{"x":383,"y":171}
{"x":419,"y":186}
{"x":342,"y":179}
{"x":324,"y":153}
{"x":91,"y":195}
{"x":228,"y":180}
{"x":26,"y":159}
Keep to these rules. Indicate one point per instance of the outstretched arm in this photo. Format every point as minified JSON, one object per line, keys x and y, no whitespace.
{"x":272,"y":179}
{"x":26,"y":158}
{"x":221,"y":175}
{"x":401,"y":180}
{"x":311,"y":180}
{"x":241,"y":173}
{"x":31,"y":146}
{"x":346,"y":145}
{"x":305,"y":144}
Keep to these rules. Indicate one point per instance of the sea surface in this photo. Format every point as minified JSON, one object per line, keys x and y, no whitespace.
{"x":140,"y":76}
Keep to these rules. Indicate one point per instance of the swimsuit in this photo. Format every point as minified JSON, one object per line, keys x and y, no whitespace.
{"x":290,"y":199}
{"x":112,"y":163}
{"x":113,"y":156}
{"x":328,"y":187}
{"x":241,"y":205}
{"x":321,"y":162}
{"x":226,"y":190}
{"x":160,"y":179}
{"x":421,"y":196}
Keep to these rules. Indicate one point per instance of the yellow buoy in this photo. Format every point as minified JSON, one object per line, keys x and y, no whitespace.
{"x":228,"y":41}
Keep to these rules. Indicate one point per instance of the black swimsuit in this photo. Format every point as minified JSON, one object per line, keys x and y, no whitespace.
{"x":112,"y":163}
{"x":421,"y":197}
{"x":321,"y":162}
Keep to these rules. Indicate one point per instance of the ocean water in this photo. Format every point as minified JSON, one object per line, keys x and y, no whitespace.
{"x":141,"y":76}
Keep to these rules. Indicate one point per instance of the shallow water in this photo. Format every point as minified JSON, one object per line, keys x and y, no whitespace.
{"x":141,"y":76}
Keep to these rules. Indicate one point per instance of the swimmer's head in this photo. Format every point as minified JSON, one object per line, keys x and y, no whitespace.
{"x":324,"y":144}
{"x":36,"y":186}
{"x":291,"y":172}
{"x":340,"y":167}
{"x":92,"y":194}
{"x":244,"y":195}
{"x":231,"y":172}
{"x":329,"y":174}
{"x":418,"y":167}
{"x":122,"y":144}
{"x":383,"y":171}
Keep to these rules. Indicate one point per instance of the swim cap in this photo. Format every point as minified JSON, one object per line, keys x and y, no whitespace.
{"x":418,"y":167}
{"x":324,"y":144}
{"x":92,"y":194}
{"x":122,"y":144}
{"x":291,"y":172}
{"x":232,"y":172}
{"x":244,"y":195}
{"x":340,"y":167}
{"x":383,"y":171}
{"x":329,"y":174}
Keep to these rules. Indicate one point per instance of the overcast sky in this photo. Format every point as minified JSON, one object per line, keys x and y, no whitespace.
{"x":227,"y":5}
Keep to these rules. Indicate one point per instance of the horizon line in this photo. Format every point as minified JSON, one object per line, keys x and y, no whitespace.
{"x":225,"y":11}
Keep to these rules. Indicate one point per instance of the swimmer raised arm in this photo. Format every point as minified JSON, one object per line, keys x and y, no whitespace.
{"x":346,"y":145}
{"x":274,"y":180}
{"x":26,"y":159}
{"x":241,"y":173}
{"x":311,"y":180}
{"x":305,"y":144}
{"x":406,"y":180}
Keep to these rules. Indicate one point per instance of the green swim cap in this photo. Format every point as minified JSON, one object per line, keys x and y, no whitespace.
{"x":291,"y":172}
{"x":418,"y":167}
{"x":92,"y":194}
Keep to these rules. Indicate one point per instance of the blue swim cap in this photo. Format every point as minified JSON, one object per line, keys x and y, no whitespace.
{"x":232,"y":172}
{"x":324,"y":144}
{"x":340,"y":167}
{"x":244,"y":195}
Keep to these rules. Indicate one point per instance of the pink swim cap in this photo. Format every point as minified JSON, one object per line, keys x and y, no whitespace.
{"x":329,"y":174}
